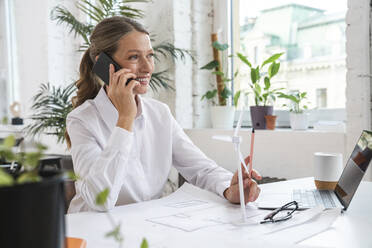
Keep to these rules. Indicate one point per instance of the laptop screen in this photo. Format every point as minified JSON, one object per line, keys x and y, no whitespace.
{"x":355,"y":169}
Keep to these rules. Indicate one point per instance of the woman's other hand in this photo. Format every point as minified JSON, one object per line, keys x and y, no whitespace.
{"x":251,"y":189}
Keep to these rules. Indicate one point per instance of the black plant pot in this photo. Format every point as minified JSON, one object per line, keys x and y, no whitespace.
{"x":32,"y":214}
{"x":258,"y":116}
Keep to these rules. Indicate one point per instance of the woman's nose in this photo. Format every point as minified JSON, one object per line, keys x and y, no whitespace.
{"x":147,"y":65}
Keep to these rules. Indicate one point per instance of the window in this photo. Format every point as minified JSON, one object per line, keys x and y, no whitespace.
{"x":321,"y":98}
{"x":8,"y":73}
{"x":312,"y":36}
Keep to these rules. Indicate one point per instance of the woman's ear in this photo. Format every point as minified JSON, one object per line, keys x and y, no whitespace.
{"x":96,"y":58}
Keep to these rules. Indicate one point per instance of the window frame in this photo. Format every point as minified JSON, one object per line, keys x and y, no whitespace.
{"x":11,"y":53}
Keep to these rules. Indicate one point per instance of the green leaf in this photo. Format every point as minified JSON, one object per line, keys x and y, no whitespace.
{"x":32,"y":160}
{"x":101,"y":198}
{"x":7,"y":154}
{"x":72,"y":176}
{"x":257,"y":90}
{"x":289,"y":97}
{"x":144,"y":243}
{"x":303,"y":94}
{"x":116,"y":234}
{"x":9,"y":142}
{"x":267,"y":83}
{"x":209,"y":95}
{"x":271,"y":59}
{"x":273,"y":69}
{"x":225,"y":79}
{"x":236,"y":98}
{"x":219,"y":46}
{"x":244,"y":59}
{"x":211,"y":65}
{"x":254,"y":77}
{"x":41,"y":147}
{"x":28,"y":177}
{"x":220,"y":73}
{"x":236,"y":73}
{"x":225,"y":93}
{"x":5,"y":179}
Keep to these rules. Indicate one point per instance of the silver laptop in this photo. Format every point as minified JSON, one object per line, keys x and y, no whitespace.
{"x":346,"y":187}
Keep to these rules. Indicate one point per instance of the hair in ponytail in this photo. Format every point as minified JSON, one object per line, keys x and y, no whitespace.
{"x":105,"y":38}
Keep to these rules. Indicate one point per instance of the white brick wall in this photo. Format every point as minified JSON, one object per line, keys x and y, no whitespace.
{"x":188,"y":25}
{"x":358,"y":91}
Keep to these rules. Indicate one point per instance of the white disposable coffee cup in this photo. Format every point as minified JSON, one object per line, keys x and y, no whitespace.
{"x":327,"y":169}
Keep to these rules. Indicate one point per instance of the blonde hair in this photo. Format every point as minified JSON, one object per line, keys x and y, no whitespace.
{"x":105,"y":38}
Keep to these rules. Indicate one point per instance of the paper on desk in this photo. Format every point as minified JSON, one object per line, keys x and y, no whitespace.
{"x":301,"y":232}
{"x":204,"y":213}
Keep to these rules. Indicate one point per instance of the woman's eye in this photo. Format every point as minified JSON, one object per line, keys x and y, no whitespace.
{"x":151,"y":55}
{"x":133,"y":57}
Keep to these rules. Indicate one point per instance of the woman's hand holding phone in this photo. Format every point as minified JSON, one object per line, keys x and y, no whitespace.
{"x":122,"y":96}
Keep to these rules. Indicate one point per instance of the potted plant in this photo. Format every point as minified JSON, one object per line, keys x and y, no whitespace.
{"x":222,"y":114}
{"x":32,"y":201}
{"x":299,"y":119}
{"x":262,"y":88}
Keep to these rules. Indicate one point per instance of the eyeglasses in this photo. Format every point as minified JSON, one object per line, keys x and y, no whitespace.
{"x":279,"y":214}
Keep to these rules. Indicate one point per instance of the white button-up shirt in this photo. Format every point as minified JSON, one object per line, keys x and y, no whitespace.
{"x":133,"y":165}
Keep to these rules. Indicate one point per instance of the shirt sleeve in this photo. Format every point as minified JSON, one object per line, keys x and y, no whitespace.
{"x":99,"y":168}
{"x":195,"y":166}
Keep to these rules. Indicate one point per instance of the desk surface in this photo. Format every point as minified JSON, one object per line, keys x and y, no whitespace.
{"x":351,"y":229}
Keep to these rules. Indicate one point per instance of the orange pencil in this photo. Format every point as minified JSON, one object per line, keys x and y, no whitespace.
{"x":251,"y":154}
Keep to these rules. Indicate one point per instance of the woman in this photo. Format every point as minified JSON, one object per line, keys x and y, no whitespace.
{"x":127,"y":143}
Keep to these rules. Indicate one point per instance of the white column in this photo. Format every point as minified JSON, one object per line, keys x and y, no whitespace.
{"x":358,"y":106}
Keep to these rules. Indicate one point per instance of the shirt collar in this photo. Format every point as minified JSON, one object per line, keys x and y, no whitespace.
{"x":109,"y":113}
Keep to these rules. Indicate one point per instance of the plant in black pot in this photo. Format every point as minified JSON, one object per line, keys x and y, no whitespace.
{"x":32,"y":201}
{"x":262,"y":89}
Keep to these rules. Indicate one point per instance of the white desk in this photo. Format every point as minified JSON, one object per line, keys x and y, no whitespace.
{"x":352,"y":229}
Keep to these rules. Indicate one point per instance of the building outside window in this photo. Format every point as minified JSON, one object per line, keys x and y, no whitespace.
{"x":312,"y":37}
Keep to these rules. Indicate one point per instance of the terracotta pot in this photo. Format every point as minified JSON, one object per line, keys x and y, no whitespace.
{"x":270,"y":121}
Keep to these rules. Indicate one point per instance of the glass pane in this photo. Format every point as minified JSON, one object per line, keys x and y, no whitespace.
{"x":312,"y":36}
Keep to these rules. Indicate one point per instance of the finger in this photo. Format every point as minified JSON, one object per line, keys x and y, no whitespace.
{"x":234,"y":179}
{"x":257,"y":193}
{"x":121,"y":72}
{"x":111,"y":72}
{"x":256,"y":175}
{"x":132,"y":84}
{"x":247,"y":159}
{"x":252,"y":191}
{"x":125,"y":76}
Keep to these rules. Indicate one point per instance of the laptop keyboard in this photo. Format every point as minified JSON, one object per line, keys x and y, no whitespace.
{"x":312,"y":198}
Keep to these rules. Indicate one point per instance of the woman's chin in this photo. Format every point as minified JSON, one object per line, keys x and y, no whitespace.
{"x":140,"y":89}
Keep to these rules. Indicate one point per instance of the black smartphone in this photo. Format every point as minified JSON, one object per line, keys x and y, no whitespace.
{"x":102,"y":67}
